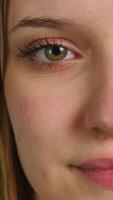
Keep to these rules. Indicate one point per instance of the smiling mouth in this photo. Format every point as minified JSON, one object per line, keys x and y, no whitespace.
{"x":99,"y":171}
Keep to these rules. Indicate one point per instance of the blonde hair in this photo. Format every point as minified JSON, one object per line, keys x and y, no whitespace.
{"x":13,"y":183}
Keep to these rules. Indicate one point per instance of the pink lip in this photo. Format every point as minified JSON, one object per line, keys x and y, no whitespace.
{"x":99,"y":171}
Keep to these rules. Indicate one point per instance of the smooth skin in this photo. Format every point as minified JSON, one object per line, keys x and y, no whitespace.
{"x":64,"y":117}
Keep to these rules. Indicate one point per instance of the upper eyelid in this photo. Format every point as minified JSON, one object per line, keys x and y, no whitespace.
{"x":62,"y":42}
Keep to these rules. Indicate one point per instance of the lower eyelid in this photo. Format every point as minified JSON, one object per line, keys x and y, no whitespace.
{"x":53,"y":67}
{"x":60,"y":63}
{"x":38,"y":66}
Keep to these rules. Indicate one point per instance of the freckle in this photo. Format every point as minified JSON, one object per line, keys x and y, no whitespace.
{"x":19,"y":138}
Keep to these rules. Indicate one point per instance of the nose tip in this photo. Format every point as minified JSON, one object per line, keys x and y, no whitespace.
{"x":99,"y":116}
{"x":99,"y":123}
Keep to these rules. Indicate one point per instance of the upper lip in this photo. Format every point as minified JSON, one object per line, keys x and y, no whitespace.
{"x":102,"y":164}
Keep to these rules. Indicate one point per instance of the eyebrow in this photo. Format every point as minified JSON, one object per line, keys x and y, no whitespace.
{"x":37,"y":22}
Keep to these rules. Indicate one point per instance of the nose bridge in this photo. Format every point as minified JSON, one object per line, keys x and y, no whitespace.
{"x":104,"y":72}
{"x":99,"y":112}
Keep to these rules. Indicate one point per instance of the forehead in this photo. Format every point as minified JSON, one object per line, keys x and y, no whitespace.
{"x":83,"y":11}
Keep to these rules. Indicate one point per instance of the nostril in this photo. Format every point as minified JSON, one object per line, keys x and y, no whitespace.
{"x":96,"y":129}
{"x":102,"y":135}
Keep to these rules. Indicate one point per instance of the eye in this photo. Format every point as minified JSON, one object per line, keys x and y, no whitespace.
{"x":54,"y":53}
{"x":50,"y":54}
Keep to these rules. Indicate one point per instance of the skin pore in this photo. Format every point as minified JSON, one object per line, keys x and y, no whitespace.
{"x":61,"y":113}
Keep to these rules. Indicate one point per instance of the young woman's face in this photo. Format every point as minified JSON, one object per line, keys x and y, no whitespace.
{"x":59,"y":92}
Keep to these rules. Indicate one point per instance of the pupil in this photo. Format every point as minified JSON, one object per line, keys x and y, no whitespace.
{"x":56,"y":50}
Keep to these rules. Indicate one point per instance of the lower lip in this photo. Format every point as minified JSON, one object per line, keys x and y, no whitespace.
{"x":102,"y":177}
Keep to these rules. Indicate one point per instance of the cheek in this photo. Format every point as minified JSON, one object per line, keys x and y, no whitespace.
{"x":43,"y":124}
{"x":40,"y":118}
{"x":43,"y":117}
{"x":45,"y":114}
{"x":36,"y":112}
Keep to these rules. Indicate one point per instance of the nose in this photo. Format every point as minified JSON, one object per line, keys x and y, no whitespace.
{"x":99,"y":109}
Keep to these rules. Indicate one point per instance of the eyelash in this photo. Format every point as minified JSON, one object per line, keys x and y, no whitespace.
{"x":28,"y":51}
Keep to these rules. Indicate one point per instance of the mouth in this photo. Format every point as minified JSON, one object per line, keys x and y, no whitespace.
{"x":99,"y":171}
